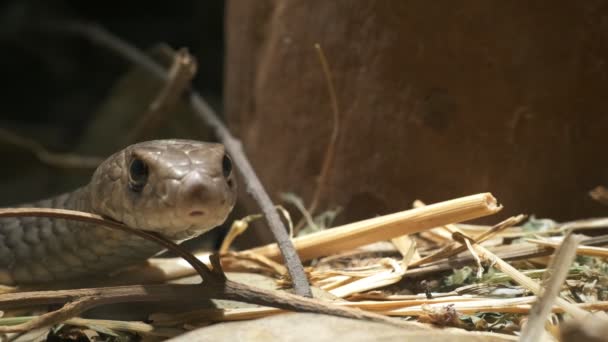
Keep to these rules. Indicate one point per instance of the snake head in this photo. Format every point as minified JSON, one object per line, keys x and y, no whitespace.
{"x":179,"y":188}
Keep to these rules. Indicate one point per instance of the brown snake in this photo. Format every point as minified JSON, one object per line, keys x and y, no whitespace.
{"x":178,"y":188}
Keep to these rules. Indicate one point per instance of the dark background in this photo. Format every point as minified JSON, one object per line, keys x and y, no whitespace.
{"x":54,"y":83}
{"x":57,"y":80}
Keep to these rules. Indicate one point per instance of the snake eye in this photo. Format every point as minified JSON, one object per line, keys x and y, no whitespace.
{"x":138,"y":175}
{"x":226,"y":166}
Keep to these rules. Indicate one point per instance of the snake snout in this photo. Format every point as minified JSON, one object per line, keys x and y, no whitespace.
{"x":201,"y":195}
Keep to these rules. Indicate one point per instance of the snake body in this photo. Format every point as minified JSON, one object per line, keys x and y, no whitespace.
{"x":179,"y":188}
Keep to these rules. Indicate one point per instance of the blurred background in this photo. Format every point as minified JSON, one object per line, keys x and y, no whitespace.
{"x":74,"y":96}
{"x":436,"y":99}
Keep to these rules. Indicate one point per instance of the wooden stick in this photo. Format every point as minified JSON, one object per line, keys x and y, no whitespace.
{"x":229,"y":290}
{"x":599,"y":252}
{"x":519,"y":305}
{"x":215,"y":285}
{"x":46,"y":156}
{"x":526,"y":282}
{"x":455,"y":248}
{"x":80,"y":216}
{"x":411,"y":221}
{"x":132,"y":326}
{"x":333,"y":139}
{"x":554,"y":277}
{"x":221,"y":315}
{"x":180,"y":74}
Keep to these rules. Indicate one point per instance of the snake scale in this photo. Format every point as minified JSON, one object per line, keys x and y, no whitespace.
{"x":179,"y":188}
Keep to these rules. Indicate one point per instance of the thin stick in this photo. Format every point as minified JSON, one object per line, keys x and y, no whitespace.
{"x":76,"y":306}
{"x":187,"y":293}
{"x":453,"y":249}
{"x":215,"y":284}
{"x":237,"y":228}
{"x":514,"y":252}
{"x":253,"y":313}
{"x":519,"y":305}
{"x":331,"y":241}
{"x":525,"y":281}
{"x":106,"y":295}
{"x":509,"y":305}
{"x":180,"y":75}
{"x":593,"y":223}
{"x":254,"y":187}
{"x":199,"y":266}
{"x":159,"y":270}
{"x":133,"y":326}
{"x":580,"y":250}
{"x":554,"y":278}
{"x":333,"y":140}
{"x":62,"y":160}
{"x":70,"y":309}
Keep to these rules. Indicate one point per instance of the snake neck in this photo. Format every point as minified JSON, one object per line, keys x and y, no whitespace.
{"x":35,"y":250}
{"x":74,"y":200}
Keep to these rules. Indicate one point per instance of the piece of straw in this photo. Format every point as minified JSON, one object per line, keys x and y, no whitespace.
{"x":331,"y":241}
{"x":599,"y":252}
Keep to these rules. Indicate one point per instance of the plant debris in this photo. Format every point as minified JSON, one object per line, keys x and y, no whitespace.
{"x":378,"y":274}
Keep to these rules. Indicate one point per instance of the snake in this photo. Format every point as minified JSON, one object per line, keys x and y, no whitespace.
{"x":177,"y":188}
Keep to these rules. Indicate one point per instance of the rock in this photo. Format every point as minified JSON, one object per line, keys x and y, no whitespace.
{"x":305,"y":327}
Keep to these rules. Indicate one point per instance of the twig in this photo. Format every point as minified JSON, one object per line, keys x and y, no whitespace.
{"x":593,"y":223}
{"x":406,"y":246}
{"x":84,"y":303}
{"x":370,"y":282}
{"x":256,"y":190}
{"x":199,"y":266}
{"x":454,"y":248}
{"x":132,"y":326}
{"x":102,"y":37}
{"x":180,"y":75}
{"x":237,"y":228}
{"x":276,"y":268}
{"x":475,"y":257}
{"x":159,"y":270}
{"x":106,"y":295}
{"x":463,"y":305}
{"x":215,"y":285}
{"x":519,"y":305}
{"x":335,"y":133}
{"x":525,"y":281}
{"x":333,"y":140}
{"x":580,"y":250}
{"x":69,"y":310}
{"x":515,"y":252}
{"x":63,"y":160}
{"x":554,"y":278}
{"x":186,"y":293}
{"x":330,"y":241}
{"x":306,"y":215}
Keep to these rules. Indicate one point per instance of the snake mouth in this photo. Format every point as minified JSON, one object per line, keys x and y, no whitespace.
{"x":195,"y":213}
